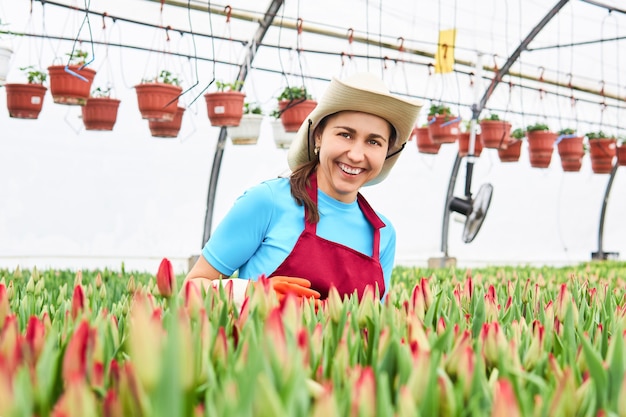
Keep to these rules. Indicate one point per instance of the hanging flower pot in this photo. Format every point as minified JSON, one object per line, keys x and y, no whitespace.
{"x":25,"y":101}
{"x":225,"y":107}
{"x":282,"y":138}
{"x":602,"y":150}
{"x":463,"y":139}
{"x":71,"y":84}
{"x":5,"y":58}
{"x":571,"y":150}
{"x":512,"y":151}
{"x":100,"y":113}
{"x":249,"y":129}
{"x":494,"y":132}
{"x":167,"y":128}
{"x":540,"y":145}
{"x":443,"y":127}
{"x":157,"y":99}
{"x":424,"y":143}
{"x":621,"y":154}
{"x":294,"y":105}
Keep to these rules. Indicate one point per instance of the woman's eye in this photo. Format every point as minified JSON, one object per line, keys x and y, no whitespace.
{"x":345,"y":134}
{"x":375,"y":142}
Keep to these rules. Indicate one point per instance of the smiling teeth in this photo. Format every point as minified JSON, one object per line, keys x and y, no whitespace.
{"x":351,"y":171}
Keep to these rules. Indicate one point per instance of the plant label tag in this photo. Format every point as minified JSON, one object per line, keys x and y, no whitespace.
{"x":35,"y":100}
{"x":218,"y":109}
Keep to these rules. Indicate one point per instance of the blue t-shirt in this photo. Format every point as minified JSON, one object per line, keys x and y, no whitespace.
{"x":265,"y":222}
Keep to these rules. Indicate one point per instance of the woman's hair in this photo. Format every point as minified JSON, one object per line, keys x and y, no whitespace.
{"x":299,"y":178}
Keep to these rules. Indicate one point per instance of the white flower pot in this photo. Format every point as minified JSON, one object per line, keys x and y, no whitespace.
{"x":282,"y":139}
{"x":5,"y":57}
{"x":247,"y":133}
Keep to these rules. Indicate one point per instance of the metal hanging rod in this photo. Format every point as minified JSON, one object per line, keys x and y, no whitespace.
{"x":603,"y":92}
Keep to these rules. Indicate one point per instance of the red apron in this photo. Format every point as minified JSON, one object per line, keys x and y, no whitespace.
{"x":324,"y":262}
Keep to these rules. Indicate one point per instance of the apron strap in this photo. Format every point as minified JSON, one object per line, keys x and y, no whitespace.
{"x":367,"y":210}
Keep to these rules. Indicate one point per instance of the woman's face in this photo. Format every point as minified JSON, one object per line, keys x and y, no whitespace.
{"x":352,"y":149}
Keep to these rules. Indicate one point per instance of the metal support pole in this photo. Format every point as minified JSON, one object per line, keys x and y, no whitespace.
{"x":600,"y":254}
{"x":477,"y":109}
{"x":221,"y":142}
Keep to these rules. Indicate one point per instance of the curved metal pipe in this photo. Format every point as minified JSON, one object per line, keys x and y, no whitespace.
{"x":600,"y":254}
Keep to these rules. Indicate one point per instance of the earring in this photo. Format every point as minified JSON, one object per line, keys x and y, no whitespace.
{"x":316,"y":150}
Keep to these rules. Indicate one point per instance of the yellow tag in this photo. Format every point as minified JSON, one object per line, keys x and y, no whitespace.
{"x":444,"y":58}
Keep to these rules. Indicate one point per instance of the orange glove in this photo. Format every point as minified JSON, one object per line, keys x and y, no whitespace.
{"x":299,"y":287}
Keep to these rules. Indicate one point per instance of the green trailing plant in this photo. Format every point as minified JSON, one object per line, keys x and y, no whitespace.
{"x":101,"y":92}
{"x":597,"y":135}
{"x":252,"y":108}
{"x":492,"y":117}
{"x":223,"y":87}
{"x":295,"y":93}
{"x":537,"y":127}
{"x":165,"y":77}
{"x":567,"y":131}
{"x":439,"y":110}
{"x":518,"y":134}
{"x":77,"y":57}
{"x":33,"y":75}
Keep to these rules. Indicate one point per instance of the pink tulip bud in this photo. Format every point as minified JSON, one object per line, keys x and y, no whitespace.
{"x":504,"y":400}
{"x":35,"y":338}
{"x":418,"y":304}
{"x":325,"y":405}
{"x":166,"y":279}
{"x":11,"y":343}
{"x":7,"y":394}
{"x":364,"y":397}
{"x":111,"y":405}
{"x":491,"y":304}
{"x":5,"y":307}
{"x":493,"y":342}
{"x":193,"y":298}
{"x":78,"y":400}
{"x":220,"y":347}
{"x":428,"y":295}
{"x":468,"y":292}
{"x":145,"y":340}
{"x":334,"y":304}
{"x":453,"y":359}
{"x":536,"y":349}
{"x":76,"y":353}
{"x":441,"y":326}
{"x":78,"y":301}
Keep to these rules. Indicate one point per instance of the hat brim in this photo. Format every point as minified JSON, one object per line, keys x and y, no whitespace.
{"x":342,"y":96}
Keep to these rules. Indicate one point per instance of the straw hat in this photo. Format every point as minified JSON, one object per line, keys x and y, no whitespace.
{"x":362,"y":92}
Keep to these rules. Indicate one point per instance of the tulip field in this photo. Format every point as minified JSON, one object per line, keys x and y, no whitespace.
{"x":494,"y":341}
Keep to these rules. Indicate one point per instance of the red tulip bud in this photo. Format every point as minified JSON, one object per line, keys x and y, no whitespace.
{"x":35,"y":338}
{"x":504,"y":400}
{"x":166,"y":279}
{"x":5,"y":308}
{"x":78,"y":301}
{"x":76,"y":353}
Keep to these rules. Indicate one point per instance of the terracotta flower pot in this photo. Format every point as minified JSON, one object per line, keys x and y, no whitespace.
{"x":25,"y":101}
{"x":540,"y":147}
{"x":225,"y":108}
{"x":71,"y":85}
{"x":571,"y":152}
{"x":602,"y":151}
{"x":621,"y":154}
{"x":247,"y":133}
{"x":494,"y":133}
{"x":294,"y":112}
{"x":512,"y":151}
{"x":158,"y":101}
{"x":100,"y":113}
{"x":167,"y":128}
{"x":464,"y":138}
{"x":424,"y":143}
{"x":444,"y":129}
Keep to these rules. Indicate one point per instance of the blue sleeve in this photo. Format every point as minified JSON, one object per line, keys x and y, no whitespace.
{"x":242,"y":230}
{"x":387,"y":252}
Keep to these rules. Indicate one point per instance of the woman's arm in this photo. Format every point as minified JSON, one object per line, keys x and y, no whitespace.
{"x":202,"y":273}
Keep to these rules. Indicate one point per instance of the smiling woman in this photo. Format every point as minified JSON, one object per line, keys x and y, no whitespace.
{"x":315,"y":225}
